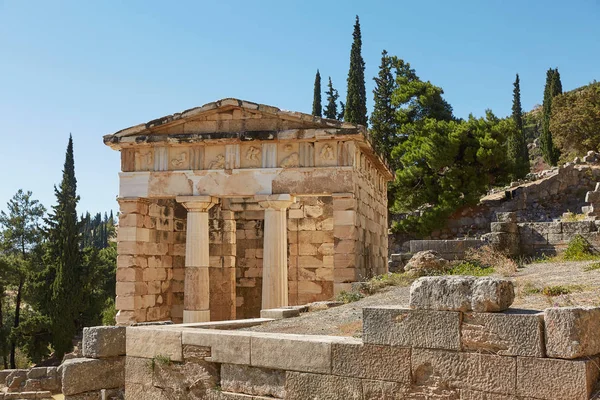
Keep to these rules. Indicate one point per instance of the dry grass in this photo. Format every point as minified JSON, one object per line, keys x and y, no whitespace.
{"x":488,"y":257}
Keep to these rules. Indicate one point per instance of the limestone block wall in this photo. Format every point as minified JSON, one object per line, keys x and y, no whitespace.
{"x":150,"y":264}
{"x":404,"y":353}
{"x":448,"y":249}
{"x":531,"y":238}
{"x":370,"y":192}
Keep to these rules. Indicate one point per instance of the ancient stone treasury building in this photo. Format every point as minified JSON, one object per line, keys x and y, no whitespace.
{"x":234,"y":207}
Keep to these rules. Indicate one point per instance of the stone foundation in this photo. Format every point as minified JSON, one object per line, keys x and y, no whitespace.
{"x":404,"y":354}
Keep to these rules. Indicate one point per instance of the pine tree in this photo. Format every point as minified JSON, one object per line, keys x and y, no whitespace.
{"x":356,"y":96}
{"x":383,"y":120}
{"x":332,"y":96}
{"x":552,"y":88}
{"x":316,"y":109}
{"x":65,"y":257}
{"x":518,"y":154}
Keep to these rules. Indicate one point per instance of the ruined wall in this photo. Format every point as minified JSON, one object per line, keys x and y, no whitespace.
{"x":541,"y":201}
{"x":404,"y":354}
{"x":150,"y":261}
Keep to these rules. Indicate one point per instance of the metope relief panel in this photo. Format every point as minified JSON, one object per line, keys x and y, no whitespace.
{"x":232,"y":156}
{"x":269,"y":155}
{"x":179,"y":158}
{"x":306,"y":154}
{"x":214,"y":157}
{"x":127,"y":160}
{"x":288,"y":155}
{"x":326,"y":154}
{"x":250,"y":156}
{"x":144,"y":160}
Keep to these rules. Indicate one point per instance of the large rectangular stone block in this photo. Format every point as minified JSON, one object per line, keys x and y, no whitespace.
{"x":81,"y":375}
{"x":398,"y":326}
{"x":148,"y":342}
{"x":226,"y":346}
{"x":552,"y":379}
{"x":303,"y":386}
{"x":293,"y":352}
{"x":368,"y":361}
{"x":473,"y":371}
{"x":103,"y":341}
{"x":138,"y":370}
{"x":511,"y":333}
{"x":572,"y":332}
{"x":253,"y":381}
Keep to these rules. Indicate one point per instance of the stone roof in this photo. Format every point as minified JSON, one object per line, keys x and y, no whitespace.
{"x":166,"y":127}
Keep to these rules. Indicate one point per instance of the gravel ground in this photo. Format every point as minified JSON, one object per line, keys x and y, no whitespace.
{"x":346,"y":320}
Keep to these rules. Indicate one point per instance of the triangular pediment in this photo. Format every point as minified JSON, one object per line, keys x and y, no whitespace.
{"x":230,"y":116}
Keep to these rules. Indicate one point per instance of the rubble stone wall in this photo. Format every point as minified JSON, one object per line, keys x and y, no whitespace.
{"x":404,"y":353}
{"x":561,"y":190}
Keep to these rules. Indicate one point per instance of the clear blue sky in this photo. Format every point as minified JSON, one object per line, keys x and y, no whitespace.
{"x":92,"y":68}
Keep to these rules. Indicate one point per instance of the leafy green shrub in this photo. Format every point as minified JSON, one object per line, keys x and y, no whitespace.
{"x":349,"y":297}
{"x":556,"y":290}
{"x":579,"y":249}
{"x":472,"y":268}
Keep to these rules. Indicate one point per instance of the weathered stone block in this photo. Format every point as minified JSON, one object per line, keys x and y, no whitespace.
{"x":450,"y":293}
{"x":506,"y":216}
{"x":551,"y":379}
{"x":103,"y":341}
{"x":252,"y":380}
{"x":279,"y":313}
{"x":150,"y":342}
{"x":303,"y":386}
{"x":572,"y":332}
{"x":398,"y":326}
{"x":511,"y":333}
{"x":190,"y":379}
{"x":445,"y":369}
{"x":368,"y":361}
{"x":577,"y":227}
{"x":293,"y":352}
{"x":77,"y":374}
{"x":383,"y":390}
{"x":138,"y":370}
{"x":492,"y":295}
{"x":477,"y":395}
{"x":226,"y":347}
{"x":507,"y":227}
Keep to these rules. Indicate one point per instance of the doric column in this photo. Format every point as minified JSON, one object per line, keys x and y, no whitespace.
{"x":275,"y":272}
{"x":196,"y":296}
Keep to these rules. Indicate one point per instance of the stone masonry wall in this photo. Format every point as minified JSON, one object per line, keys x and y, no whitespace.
{"x":543,"y":200}
{"x":150,"y":264}
{"x":411,"y":354}
{"x":371,"y":221}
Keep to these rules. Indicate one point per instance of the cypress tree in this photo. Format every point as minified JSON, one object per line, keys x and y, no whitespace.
{"x":552,"y":88}
{"x":332,"y":96}
{"x":356,"y":96}
{"x":317,"y":110}
{"x":64,"y":254}
{"x":383,"y":119}
{"x":518,"y":154}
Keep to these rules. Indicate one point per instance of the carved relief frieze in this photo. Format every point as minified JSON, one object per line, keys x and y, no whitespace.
{"x":180,"y":161}
{"x":327,"y":153}
{"x":218,"y":162}
{"x":253,"y":155}
{"x":144,"y":160}
{"x":293,"y":160}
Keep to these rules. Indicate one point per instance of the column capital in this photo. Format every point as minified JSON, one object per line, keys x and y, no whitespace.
{"x":275,"y":201}
{"x":197,"y":203}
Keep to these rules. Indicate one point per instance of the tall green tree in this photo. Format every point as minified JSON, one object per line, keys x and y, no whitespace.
{"x":553,"y":87}
{"x":575,"y":121}
{"x":65,"y":258}
{"x":383,"y":118}
{"x":356,"y":95}
{"x":518,"y":154}
{"x":446,"y":165}
{"x":316,"y":109}
{"x":332,"y":97}
{"x":21,"y":232}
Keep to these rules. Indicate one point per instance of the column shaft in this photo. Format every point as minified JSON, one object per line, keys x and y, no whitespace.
{"x":275,"y":273}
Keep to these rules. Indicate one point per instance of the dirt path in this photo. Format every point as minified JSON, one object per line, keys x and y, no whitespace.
{"x":346,"y":320}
